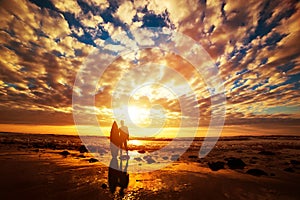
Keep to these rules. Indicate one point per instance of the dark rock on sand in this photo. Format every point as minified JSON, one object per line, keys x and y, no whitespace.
{"x":37,"y":146}
{"x":252,"y":162}
{"x":235,"y":163}
{"x":36,"y":150}
{"x":104,"y":186}
{"x":64,"y":153}
{"x":289,"y":169}
{"x":286,"y":163}
{"x":193,"y":156}
{"x":92,"y":160}
{"x":138,"y":159}
{"x":51,"y":146}
{"x":267,"y":153}
{"x":215,"y":166}
{"x":295,"y":162}
{"x":149,"y":159}
{"x":141,"y":151}
{"x":165,"y":157}
{"x":82,"y":149}
{"x":145,"y":157}
{"x":175,"y":157}
{"x":256,"y":172}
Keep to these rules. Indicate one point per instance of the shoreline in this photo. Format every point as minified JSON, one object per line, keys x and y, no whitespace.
{"x":222,"y":138}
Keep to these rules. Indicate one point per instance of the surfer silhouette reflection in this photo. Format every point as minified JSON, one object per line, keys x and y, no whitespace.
{"x":118,"y":176}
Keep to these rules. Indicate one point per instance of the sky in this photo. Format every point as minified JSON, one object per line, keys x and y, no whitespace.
{"x":254,"y":45}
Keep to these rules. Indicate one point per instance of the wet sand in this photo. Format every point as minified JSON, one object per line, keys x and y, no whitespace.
{"x":42,"y":173}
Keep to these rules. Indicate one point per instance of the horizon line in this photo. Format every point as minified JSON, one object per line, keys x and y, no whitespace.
{"x":147,"y":137}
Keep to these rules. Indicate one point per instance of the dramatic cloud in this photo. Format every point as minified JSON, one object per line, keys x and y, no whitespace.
{"x":254,"y":44}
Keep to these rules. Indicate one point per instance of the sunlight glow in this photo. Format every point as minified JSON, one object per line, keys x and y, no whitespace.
{"x":138,"y":115}
{"x":135,"y":142}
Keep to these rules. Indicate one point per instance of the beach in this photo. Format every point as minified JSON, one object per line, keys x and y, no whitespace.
{"x":248,"y":167}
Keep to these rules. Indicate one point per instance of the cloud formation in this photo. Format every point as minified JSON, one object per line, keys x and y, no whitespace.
{"x":254,"y":45}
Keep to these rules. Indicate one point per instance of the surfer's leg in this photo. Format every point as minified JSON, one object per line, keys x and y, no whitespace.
{"x":125,"y":145}
{"x":121,"y":148}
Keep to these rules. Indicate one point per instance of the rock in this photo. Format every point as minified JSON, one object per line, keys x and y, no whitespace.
{"x":138,"y":159}
{"x":37,"y":146}
{"x":146,"y":157}
{"x":289,"y":169}
{"x":256,"y":172}
{"x":175,"y":157}
{"x":92,"y":160}
{"x":165,"y":157}
{"x":149,"y":159}
{"x":82,"y":149}
{"x":286,"y":163}
{"x":104,"y":186}
{"x":141,"y":151}
{"x":36,"y":150}
{"x":252,"y":162}
{"x":193,"y":156}
{"x":235,"y":163}
{"x":295,"y":162}
{"x":64,"y":153}
{"x":215,"y":166}
{"x":267,"y":153}
{"x":51,"y":146}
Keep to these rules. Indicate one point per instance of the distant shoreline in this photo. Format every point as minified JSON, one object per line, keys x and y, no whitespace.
{"x":221,"y":138}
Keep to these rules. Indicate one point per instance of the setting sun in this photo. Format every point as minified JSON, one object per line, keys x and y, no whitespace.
{"x":139,"y":116}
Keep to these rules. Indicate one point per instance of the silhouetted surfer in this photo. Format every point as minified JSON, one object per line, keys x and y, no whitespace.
{"x":113,"y":175}
{"x":124,"y":137}
{"x":117,"y":176}
{"x":114,"y":139}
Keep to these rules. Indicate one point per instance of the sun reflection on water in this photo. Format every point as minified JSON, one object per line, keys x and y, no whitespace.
{"x":135,"y":142}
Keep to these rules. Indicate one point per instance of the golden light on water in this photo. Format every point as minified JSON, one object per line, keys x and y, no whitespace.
{"x":135,"y":142}
{"x":233,"y":130}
